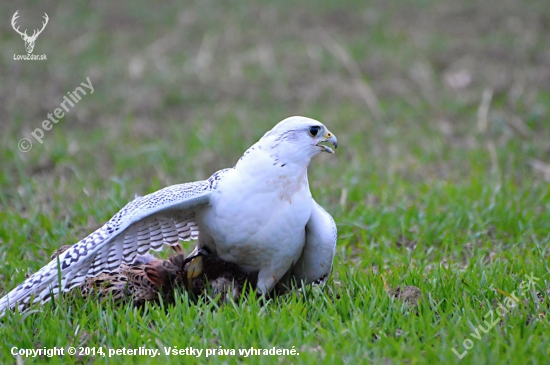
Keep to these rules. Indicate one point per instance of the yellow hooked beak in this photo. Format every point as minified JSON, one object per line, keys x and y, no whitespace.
{"x":330,"y":138}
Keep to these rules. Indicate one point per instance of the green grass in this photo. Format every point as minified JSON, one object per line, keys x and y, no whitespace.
{"x":423,"y":192}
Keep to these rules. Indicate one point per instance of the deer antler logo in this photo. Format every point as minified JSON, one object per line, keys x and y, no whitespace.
{"x":29,"y":41}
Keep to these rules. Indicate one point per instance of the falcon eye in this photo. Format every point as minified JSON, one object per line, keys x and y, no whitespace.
{"x":314,"y":130}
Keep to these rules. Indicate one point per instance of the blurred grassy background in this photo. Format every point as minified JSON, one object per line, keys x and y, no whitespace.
{"x":441,"y":109}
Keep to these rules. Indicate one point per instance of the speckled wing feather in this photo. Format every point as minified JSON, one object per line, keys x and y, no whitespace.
{"x":163,"y":217}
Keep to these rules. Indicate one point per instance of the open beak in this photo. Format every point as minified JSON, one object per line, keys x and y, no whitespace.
{"x":330,"y":138}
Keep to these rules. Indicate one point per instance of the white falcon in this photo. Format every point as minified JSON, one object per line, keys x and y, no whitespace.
{"x":259,"y":215}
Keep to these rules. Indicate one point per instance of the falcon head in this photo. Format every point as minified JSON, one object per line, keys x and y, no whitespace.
{"x":299,"y":137}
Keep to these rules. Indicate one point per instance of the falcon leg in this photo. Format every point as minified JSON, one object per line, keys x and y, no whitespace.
{"x":195,"y":265}
{"x":267,"y":279}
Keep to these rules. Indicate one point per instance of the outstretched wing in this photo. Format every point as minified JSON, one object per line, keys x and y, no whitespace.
{"x":315,"y":263}
{"x":163,"y":217}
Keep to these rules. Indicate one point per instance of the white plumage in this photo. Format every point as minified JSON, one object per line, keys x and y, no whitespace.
{"x":259,"y":215}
